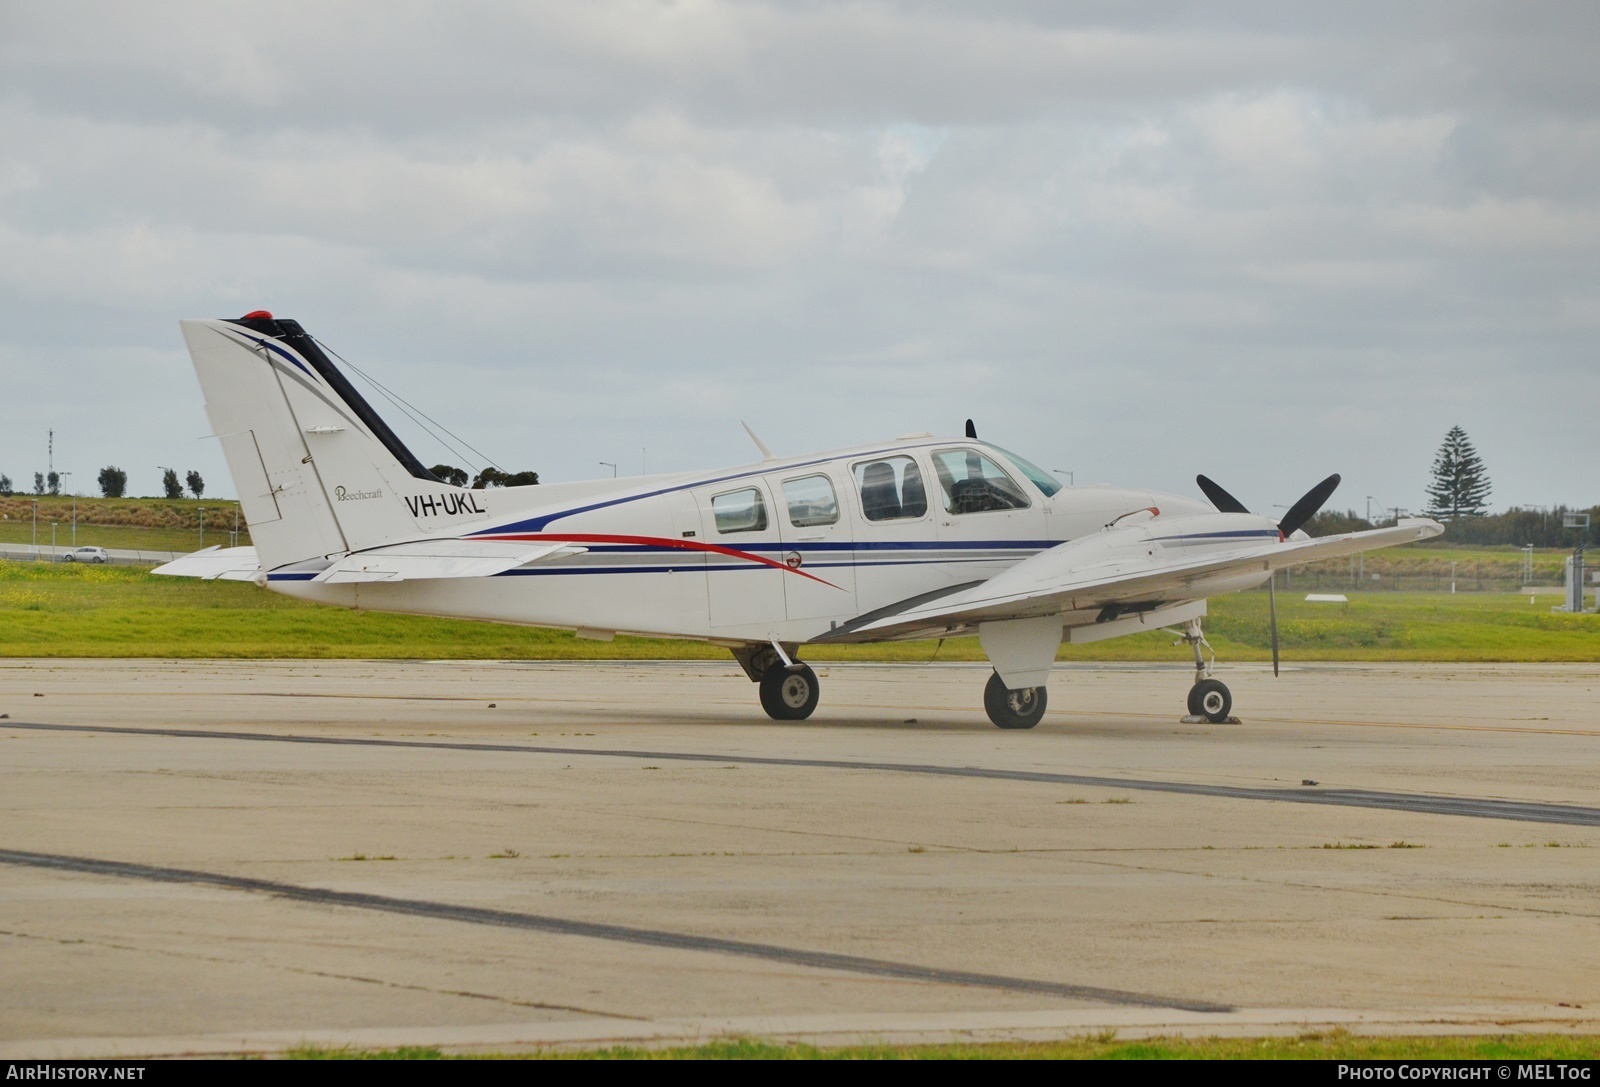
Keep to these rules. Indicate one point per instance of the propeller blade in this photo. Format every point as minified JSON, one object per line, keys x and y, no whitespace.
{"x":1305,"y":509}
{"x":972,"y":431}
{"x":1220,"y":498}
{"x":1272,"y":610}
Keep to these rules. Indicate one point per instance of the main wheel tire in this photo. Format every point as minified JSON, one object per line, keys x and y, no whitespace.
{"x":1210,"y":699}
{"x":1007,"y":708}
{"x":789,"y":695}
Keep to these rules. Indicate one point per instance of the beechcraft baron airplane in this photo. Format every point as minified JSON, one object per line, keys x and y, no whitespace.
{"x":921,"y":537}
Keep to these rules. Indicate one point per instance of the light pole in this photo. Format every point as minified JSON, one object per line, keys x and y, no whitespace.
{"x":613,"y":467}
{"x":202,"y":528}
{"x":52,"y":541}
{"x":35,"y":528}
{"x":233,"y":541}
{"x":1064,"y":472}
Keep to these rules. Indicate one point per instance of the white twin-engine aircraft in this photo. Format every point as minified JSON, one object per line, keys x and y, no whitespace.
{"x":921,"y":537}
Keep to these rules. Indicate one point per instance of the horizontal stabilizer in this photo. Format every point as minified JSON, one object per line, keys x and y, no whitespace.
{"x":215,"y":564}
{"x":438,"y":559}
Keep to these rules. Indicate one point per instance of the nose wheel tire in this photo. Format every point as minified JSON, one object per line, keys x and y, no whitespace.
{"x":1007,"y":708}
{"x":789,"y":695}
{"x":1210,"y":699}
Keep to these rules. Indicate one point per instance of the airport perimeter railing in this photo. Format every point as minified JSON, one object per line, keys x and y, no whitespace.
{"x":121,"y":557}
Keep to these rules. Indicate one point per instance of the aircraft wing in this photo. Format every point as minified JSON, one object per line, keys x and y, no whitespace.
{"x":1056,"y":582}
{"x":397,"y":562}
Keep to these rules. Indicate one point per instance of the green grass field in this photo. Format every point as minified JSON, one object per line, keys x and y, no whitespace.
{"x":1333,"y":1045}
{"x":74,"y":611}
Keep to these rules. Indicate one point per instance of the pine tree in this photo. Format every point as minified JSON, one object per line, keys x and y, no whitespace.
{"x":113,"y":481}
{"x":1460,"y":486}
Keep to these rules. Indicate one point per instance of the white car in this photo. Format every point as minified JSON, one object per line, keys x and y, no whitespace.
{"x":87,"y":554}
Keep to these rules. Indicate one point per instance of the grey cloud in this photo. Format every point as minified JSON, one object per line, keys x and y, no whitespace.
{"x":1137,"y":241}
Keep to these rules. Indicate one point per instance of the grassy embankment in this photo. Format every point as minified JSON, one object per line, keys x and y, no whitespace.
{"x":134,"y":524}
{"x":71,"y":611}
{"x":1333,"y":1045}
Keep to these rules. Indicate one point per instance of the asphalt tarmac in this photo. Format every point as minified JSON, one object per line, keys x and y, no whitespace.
{"x":238,"y":857}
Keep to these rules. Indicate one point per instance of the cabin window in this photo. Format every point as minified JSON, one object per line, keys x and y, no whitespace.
{"x":811,"y":501}
{"x":891,"y":489}
{"x":972,"y":483}
{"x":740,"y":511}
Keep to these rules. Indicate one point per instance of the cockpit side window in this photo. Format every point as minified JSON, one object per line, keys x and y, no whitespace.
{"x":891,"y":489}
{"x":739,"y":511}
{"x":972,"y":483}
{"x":811,"y":501}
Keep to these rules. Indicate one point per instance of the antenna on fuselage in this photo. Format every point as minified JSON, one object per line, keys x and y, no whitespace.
{"x":972,"y":431}
{"x":766,"y":454}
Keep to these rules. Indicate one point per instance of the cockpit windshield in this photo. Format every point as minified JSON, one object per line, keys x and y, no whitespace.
{"x":1043,"y":480}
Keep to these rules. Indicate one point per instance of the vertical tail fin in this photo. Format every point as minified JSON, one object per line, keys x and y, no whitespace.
{"x":317,"y":471}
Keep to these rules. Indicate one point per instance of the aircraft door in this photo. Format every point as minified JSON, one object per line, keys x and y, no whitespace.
{"x":988,"y":519}
{"x":739,"y":520}
{"x":818,"y":540}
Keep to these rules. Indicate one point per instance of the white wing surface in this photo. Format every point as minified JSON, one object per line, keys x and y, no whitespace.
{"x":1121,"y":571}
{"x":214,"y":564}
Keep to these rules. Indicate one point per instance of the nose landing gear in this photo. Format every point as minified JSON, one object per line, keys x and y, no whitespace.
{"x":1209,"y":699}
{"x":789,"y":692}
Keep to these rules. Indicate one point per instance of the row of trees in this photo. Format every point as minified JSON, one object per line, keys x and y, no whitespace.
{"x":113,"y":483}
{"x":489,"y":477}
{"x":1516,"y":527}
{"x":43,"y":483}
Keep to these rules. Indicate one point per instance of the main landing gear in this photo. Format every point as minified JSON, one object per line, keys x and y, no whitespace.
{"x":789,"y":692}
{"x":1008,"y":708}
{"x":789,"y":688}
{"x":1209,"y":699}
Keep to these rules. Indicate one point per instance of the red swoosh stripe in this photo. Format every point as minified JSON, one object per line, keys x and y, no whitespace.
{"x":657,"y":541}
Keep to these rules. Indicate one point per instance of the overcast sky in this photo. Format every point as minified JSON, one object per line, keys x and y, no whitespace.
{"x":1264,"y":241}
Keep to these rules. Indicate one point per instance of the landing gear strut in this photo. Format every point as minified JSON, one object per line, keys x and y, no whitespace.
{"x":1208,"y":698}
{"x":1007,"y":708}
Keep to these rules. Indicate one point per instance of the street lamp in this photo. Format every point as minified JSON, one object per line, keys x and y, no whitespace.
{"x":202,"y":528}
{"x":613,"y":467}
{"x":74,"y":514}
{"x":52,"y":541}
{"x":35,"y":528}
{"x":1064,"y":472}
